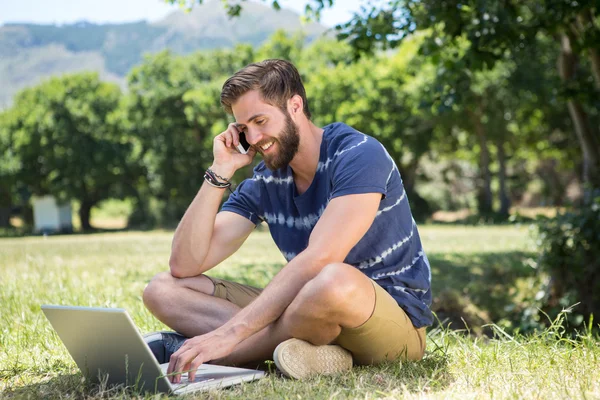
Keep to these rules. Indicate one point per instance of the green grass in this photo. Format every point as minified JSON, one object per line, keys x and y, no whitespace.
{"x":480,"y":274}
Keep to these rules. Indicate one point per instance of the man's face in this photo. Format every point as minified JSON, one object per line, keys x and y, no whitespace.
{"x":271,"y":131}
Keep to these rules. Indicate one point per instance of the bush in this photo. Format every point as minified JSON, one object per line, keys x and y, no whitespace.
{"x":570,"y":254}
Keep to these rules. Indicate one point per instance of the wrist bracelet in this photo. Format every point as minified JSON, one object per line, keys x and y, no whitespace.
{"x":209,"y":177}
{"x":217,"y":175}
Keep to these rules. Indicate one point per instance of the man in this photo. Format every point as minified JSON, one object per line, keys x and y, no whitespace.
{"x":356,"y":287}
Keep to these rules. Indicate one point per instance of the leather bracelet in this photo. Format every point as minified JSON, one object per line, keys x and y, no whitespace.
{"x":216,"y":186}
{"x":212,"y":181}
{"x":211,"y":175}
{"x":217,"y":175}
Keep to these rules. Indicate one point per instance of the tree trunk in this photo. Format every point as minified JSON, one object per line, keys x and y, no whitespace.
{"x":587,"y":22}
{"x":5,"y":207}
{"x":4,"y":217}
{"x":84,"y":215}
{"x":504,"y":199}
{"x":591,"y":155}
{"x":420,"y":207}
{"x":408,"y":172}
{"x":484,"y":180}
{"x":588,"y":143}
{"x":595,"y":63}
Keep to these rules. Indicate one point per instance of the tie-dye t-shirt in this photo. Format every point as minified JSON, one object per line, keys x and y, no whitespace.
{"x":350,"y":162}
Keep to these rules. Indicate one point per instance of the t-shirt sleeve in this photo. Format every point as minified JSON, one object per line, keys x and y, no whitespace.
{"x":245,"y":201}
{"x":361,"y":166}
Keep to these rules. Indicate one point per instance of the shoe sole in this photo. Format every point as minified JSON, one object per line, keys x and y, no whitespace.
{"x":299,"y":359}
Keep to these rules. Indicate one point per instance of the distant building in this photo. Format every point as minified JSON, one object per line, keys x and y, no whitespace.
{"x":51,"y":217}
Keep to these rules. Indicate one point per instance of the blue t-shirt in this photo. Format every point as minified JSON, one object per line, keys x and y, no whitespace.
{"x":350,"y":162}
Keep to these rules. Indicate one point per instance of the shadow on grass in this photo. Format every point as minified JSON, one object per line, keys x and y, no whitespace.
{"x":70,"y":385}
{"x":481,"y":287}
{"x":73,"y":386}
{"x":489,"y":219}
{"x":389,"y":379}
{"x":429,"y":374}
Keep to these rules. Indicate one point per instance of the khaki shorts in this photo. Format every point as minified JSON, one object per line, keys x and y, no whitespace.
{"x":388,"y":334}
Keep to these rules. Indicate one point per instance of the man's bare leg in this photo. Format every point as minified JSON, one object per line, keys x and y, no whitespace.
{"x":340,"y":296}
{"x":187,"y":305}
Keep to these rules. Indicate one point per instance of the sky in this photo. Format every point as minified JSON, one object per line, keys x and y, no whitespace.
{"x":117,"y":11}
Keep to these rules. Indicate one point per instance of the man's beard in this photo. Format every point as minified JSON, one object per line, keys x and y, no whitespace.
{"x":288,"y":141}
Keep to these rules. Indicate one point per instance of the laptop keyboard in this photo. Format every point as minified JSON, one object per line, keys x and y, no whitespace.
{"x":184,"y":377}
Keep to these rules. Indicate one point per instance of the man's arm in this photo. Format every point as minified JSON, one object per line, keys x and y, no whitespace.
{"x":345,"y":221}
{"x":204,"y":238}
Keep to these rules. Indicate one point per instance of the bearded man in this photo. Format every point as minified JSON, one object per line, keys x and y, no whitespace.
{"x":356,"y":286}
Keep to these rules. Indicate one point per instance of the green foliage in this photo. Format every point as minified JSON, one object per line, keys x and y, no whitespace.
{"x":173,"y":109}
{"x":427,"y":100}
{"x":383,"y":96}
{"x":171,"y":114}
{"x":62,"y":142}
{"x":165,"y":123}
{"x":9,"y":166}
{"x":570,"y":254}
{"x":468,"y":38}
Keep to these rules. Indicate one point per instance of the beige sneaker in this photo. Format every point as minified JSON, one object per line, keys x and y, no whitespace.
{"x":299,"y":359}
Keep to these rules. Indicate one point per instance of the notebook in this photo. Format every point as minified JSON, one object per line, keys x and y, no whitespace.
{"x":107,"y":347}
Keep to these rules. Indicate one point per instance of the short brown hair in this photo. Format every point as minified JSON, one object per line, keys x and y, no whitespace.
{"x":276,"y":80}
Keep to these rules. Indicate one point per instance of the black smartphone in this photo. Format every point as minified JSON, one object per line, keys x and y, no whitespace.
{"x":244,"y":146}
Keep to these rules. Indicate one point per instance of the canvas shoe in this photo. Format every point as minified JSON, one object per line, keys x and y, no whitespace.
{"x":163,"y":344}
{"x":299,"y":359}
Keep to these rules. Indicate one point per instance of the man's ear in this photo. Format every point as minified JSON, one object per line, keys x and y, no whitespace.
{"x":295,"y":105}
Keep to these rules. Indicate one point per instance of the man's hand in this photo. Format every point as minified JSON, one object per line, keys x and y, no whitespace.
{"x":198,"y":350}
{"x":227,"y":159}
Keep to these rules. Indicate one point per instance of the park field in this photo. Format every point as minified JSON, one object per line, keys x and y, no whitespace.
{"x":484,"y":272}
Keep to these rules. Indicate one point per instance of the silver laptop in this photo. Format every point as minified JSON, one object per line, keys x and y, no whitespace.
{"x":107,"y":347}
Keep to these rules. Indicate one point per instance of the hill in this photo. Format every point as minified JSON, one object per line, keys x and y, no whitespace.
{"x":32,"y":52}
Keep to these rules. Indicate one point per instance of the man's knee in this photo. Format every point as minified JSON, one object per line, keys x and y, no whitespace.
{"x":323,"y":304}
{"x":164,"y":288}
{"x":157,"y":289}
{"x":335,"y":284}
{"x":328,"y":292}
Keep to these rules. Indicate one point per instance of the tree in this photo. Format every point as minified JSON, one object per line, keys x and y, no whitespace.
{"x":59,"y":131}
{"x":9,"y":164}
{"x":494,"y":30}
{"x":172,"y":112}
{"x":381,"y":96}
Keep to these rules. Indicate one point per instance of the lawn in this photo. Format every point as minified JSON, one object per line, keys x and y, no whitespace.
{"x":482,"y":274}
